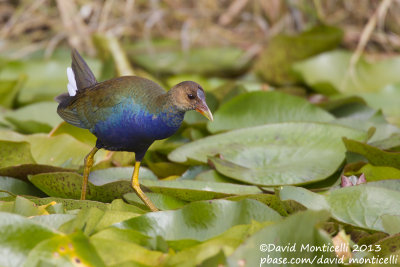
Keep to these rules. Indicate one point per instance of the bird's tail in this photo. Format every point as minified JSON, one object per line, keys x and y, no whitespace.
{"x":80,"y":77}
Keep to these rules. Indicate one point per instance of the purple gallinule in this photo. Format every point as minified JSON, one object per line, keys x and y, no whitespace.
{"x":126,"y":113}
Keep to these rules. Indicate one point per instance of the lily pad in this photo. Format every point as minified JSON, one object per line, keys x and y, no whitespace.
{"x":36,"y":118}
{"x":376,"y":173}
{"x":69,"y":185}
{"x":82,"y":135}
{"x":300,"y":234}
{"x":326,"y":73}
{"x":23,"y":170}
{"x":15,"y":153}
{"x":259,"y":108}
{"x":66,"y":250}
{"x":61,"y":150}
{"x":374,"y":155}
{"x":274,"y":65}
{"x":200,"y":220}
{"x":166,"y":57}
{"x":18,"y":187}
{"x":18,"y":236}
{"x":361,"y":205}
{"x":161,"y":201}
{"x":45,"y":78}
{"x":9,"y":90}
{"x":190,"y":190}
{"x":274,"y":154}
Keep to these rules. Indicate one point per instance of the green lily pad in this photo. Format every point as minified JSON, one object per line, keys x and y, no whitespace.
{"x":326,"y":73}
{"x":161,"y":201}
{"x":69,"y":185}
{"x":166,"y":57}
{"x":189,"y":190}
{"x":259,"y":108}
{"x":18,"y":187}
{"x":23,"y":170}
{"x":82,"y":135}
{"x":66,"y":250}
{"x":361,"y":205}
{"x":15,"y":153}
{"x":36,"y":118}
{"x":46,"y":78}
{"x":53,"y":221}
{"x":374,"y":155}
{"x":274,"y":154}
{"x":200,"y":220}
{"x":227,"y":242}
{"x":117,"y":252}
{"x":376,"y":173}
{"x":391,"y":223}
{"x":300,"y":233}
{"x":386,"y":100}
{"x":274,"y":64}
{"x":71,"y":204}
{"x":62,"y":150}
{"x":9,"y":90}
{"x":104,"y":176}
{"x":18,"y":236}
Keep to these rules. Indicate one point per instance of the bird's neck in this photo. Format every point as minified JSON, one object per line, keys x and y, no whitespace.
{"x":173,"y":115}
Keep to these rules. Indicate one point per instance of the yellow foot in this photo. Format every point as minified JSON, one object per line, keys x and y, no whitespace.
{"x":138,"y":190}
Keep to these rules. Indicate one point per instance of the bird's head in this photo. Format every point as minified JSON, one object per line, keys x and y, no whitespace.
{"x":190,"y":96}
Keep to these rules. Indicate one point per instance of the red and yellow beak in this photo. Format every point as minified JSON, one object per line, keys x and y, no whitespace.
{"x":205,"y":111}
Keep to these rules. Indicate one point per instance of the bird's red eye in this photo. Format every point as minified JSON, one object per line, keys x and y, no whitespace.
{"x":190,"y":96}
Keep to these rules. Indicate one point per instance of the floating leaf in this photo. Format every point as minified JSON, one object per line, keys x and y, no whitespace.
{"x":66,"y":250}
{"x":18,"y":236}
{"x":45,"y":78}
{"x":262,"y":155}
{"x":167,"y":57}
{"x":62,"y":150}
{"x":374,"y":155}
{"x":22,"y":171}
{"x":259,"y":108}
{"x":15,"y":153}
{"x":9,"y":90}
{"x":198,"y":190}
{"x":161,"y":201}
{"x":18,"y":187}
{"x":53,"y":221}
{"x":386,"y":100}
{"x":200,"y":220}
{"x":360,"y":205}
{"x":274,"y":65}
{"x":300,"y":234}
{"x":104,"y":176}
{"x":116,"y":252}
{"x":36,"y":118}
{"x":69,"y":185}
{"x":376,"y":173}
{"x":226,"y":242}
{"x":82,"y":135}
{"x":327,"y":73}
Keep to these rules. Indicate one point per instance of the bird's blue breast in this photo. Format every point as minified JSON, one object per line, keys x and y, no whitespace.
{"x":131,"y":127}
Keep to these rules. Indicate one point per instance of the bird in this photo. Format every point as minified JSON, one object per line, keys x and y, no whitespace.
{"x":126,"y":113}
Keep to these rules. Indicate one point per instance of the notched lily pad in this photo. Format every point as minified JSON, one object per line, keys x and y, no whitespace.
{"x":360,"y":205}
{"x":374,"y":155}
{"x":259,"y":108}
{"x":69,"y":184}
{"x":15,"y":153}
{"x":200,"y":220}
{"x":274,"y":154}
{"x":190,"y":190}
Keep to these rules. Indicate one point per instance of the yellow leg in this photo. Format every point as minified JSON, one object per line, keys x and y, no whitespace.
{"x":139,"y":192}
{"x":88,"y":165}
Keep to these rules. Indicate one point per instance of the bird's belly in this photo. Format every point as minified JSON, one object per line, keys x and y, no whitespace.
{"x":128,"y":131}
